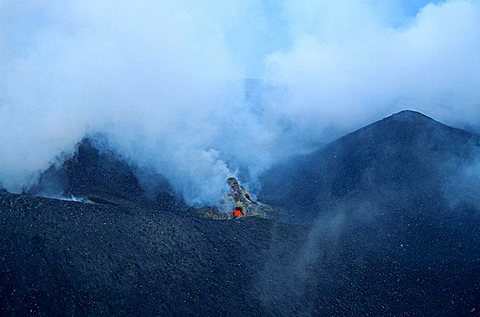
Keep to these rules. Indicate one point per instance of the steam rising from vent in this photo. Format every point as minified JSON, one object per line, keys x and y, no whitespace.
{"x":169,"y":83}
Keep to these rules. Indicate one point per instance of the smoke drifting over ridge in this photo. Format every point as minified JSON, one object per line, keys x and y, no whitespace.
{"x":165,"y":81}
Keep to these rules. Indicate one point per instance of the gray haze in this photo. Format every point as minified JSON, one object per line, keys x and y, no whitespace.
{"x":166,"y":81}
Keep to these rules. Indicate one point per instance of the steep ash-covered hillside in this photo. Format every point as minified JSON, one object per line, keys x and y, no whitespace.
{"x":407,"y":157}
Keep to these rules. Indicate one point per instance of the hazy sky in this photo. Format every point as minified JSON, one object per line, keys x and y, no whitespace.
{"x":165,"y":81}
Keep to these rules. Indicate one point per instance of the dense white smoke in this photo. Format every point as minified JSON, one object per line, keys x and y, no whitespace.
{"x":169,"y":83}
{"x":347,"y":65}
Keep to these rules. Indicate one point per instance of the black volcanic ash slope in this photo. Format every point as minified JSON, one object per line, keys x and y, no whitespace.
{"x":386,"y":234}
{"x":385,"y":241}
{"x":131,"y":252}
{"x":403,"y":158}
{"x":62,"y":258}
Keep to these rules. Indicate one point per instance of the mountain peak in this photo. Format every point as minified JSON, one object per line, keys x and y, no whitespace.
{"x":410,"y":114}
{"x":412,"y":117}
{"x":408,"y":117}
{"x":404,"y":153}
{"x":408,"y":126}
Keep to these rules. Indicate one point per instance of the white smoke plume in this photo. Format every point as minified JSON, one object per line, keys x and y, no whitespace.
{"x":166,"y":81}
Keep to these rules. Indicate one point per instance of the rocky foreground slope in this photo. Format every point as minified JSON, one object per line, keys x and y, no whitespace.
{"x":379,"y":237}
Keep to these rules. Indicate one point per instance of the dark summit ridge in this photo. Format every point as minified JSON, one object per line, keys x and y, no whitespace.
{"x":409,"y":115}
{"x":410,"y":128}
{"x":405,"y":155}
{"x":101,"y":176}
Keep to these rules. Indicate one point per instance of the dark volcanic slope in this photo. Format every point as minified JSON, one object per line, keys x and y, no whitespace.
{"x":403,"y":158}
{"x":103,"y":177}
{"x":385,"y":240}
{"x":68,"y":258}
{"x":385,"y":193}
